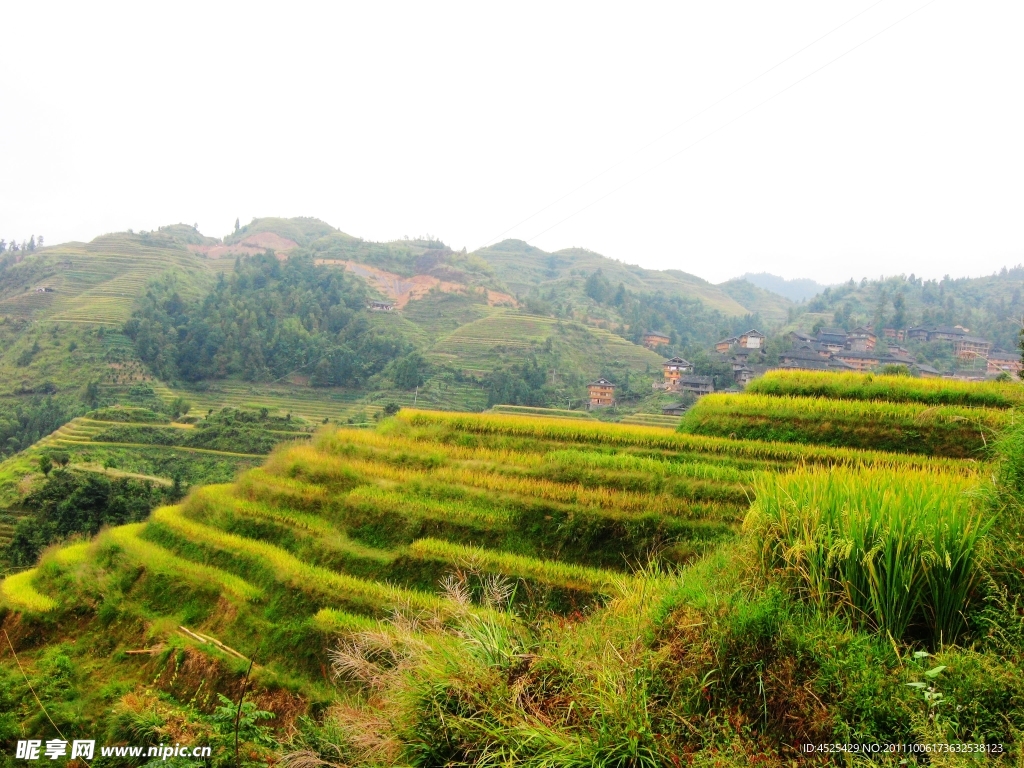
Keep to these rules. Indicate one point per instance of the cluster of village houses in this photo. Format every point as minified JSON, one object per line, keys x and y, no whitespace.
{"x":830,"y":349}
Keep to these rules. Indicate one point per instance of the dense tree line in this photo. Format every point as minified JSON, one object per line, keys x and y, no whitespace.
{"x":24,"y":422}
{"x":69,"y":503}
{"x":268,"y":319}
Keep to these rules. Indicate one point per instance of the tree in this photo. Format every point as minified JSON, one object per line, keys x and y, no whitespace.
{"x":32,"y":243}
{"x":14,"y":245}
{"x":92,"y":393}
{"x":60,"y":458}
{"x":3,"y":245}
{"x":236,"y":225}
{"x":899,"y":303}
{"x":45,"y":464}
{"x":40,"y":241}
{"x":1020,"y":345}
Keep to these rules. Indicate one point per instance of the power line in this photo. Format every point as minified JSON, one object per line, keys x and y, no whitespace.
{"x":726,"y":125}
{"x":676,"y":127}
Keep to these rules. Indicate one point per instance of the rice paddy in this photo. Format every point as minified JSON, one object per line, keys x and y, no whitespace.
{"x":893,"y":389}
{"x":911,"y":427}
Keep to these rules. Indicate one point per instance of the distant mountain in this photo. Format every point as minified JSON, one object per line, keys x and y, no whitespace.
{"x":798,"y":289}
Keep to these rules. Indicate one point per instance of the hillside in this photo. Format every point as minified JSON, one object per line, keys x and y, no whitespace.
{"x":508,"y":322}
{"x":445,"y":588}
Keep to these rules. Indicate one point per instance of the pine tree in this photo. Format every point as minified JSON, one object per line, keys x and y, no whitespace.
{"x":32,"y":243}
{"x":236,"y":225}
{"x":40,"y":241}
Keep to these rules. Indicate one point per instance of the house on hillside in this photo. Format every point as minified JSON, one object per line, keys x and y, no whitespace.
{"x":803,"y":353}
{"x":1003,"y":362}
{"x":675,"y":410}
{"x":917,"y":333}
{"x":749,"y":341}
{"x":653,"y":339}
{"x":925,"y":371}
{"x":673,"y":369}
{"x":861,"y":340}
{"x":601,"y":394}
{"x":752,"y":339}
{"x":971,"y":347}
{"x":859,"y":361}
{"x":725,"y":345}
{"x":947,"y":333}
{"x":696,"y":385}
{"x":832,"y":339}
{"x":381,"y":306}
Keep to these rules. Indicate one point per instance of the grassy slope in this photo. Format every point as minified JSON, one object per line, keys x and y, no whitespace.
{"x":323,"y":537}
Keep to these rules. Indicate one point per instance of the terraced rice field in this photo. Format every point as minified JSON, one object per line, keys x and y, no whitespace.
{"x":911,"y":427}
{"x":325,"y":537}
{"x":154,"y":453}
{"x":96,"y":283}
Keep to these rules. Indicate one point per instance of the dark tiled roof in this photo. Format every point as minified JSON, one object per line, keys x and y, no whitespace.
{"x":601,"y":383}
{"x":695,"y":380}
{"x":677,"y":361}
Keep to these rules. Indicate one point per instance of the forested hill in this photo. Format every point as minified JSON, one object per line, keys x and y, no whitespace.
{"x":991,"y":306}
{"x":510,"y":323}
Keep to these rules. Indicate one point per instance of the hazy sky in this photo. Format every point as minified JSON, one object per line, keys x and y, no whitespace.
{"x":461,"y":120}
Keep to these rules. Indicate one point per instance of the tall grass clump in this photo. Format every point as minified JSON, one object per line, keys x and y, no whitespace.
{"x":900,"y":552}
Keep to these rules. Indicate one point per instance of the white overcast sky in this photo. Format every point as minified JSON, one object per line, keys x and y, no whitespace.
{"x":462,"y":120}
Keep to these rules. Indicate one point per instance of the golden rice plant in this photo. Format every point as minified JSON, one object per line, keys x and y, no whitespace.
{"x":943,"y":430}
{"x":18,"y":591}
{"x":793,"y":407}
{"x":869,"y":386}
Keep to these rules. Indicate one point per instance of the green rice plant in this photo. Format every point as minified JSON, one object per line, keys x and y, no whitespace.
{"x":260,"y":484}
{"x":901,"y":552}
{"x":869,"y":386}
{"x":549,"y":572}
{"x":370,"y":597}
{"x":414,"y":504}
{"x":19,"y":592}
{"x":156,"y":559}
{"x":334,"y":622}
{"x":954,"y":431}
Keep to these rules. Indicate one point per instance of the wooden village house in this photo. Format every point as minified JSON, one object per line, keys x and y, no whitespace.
{"x":601,"y":394}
